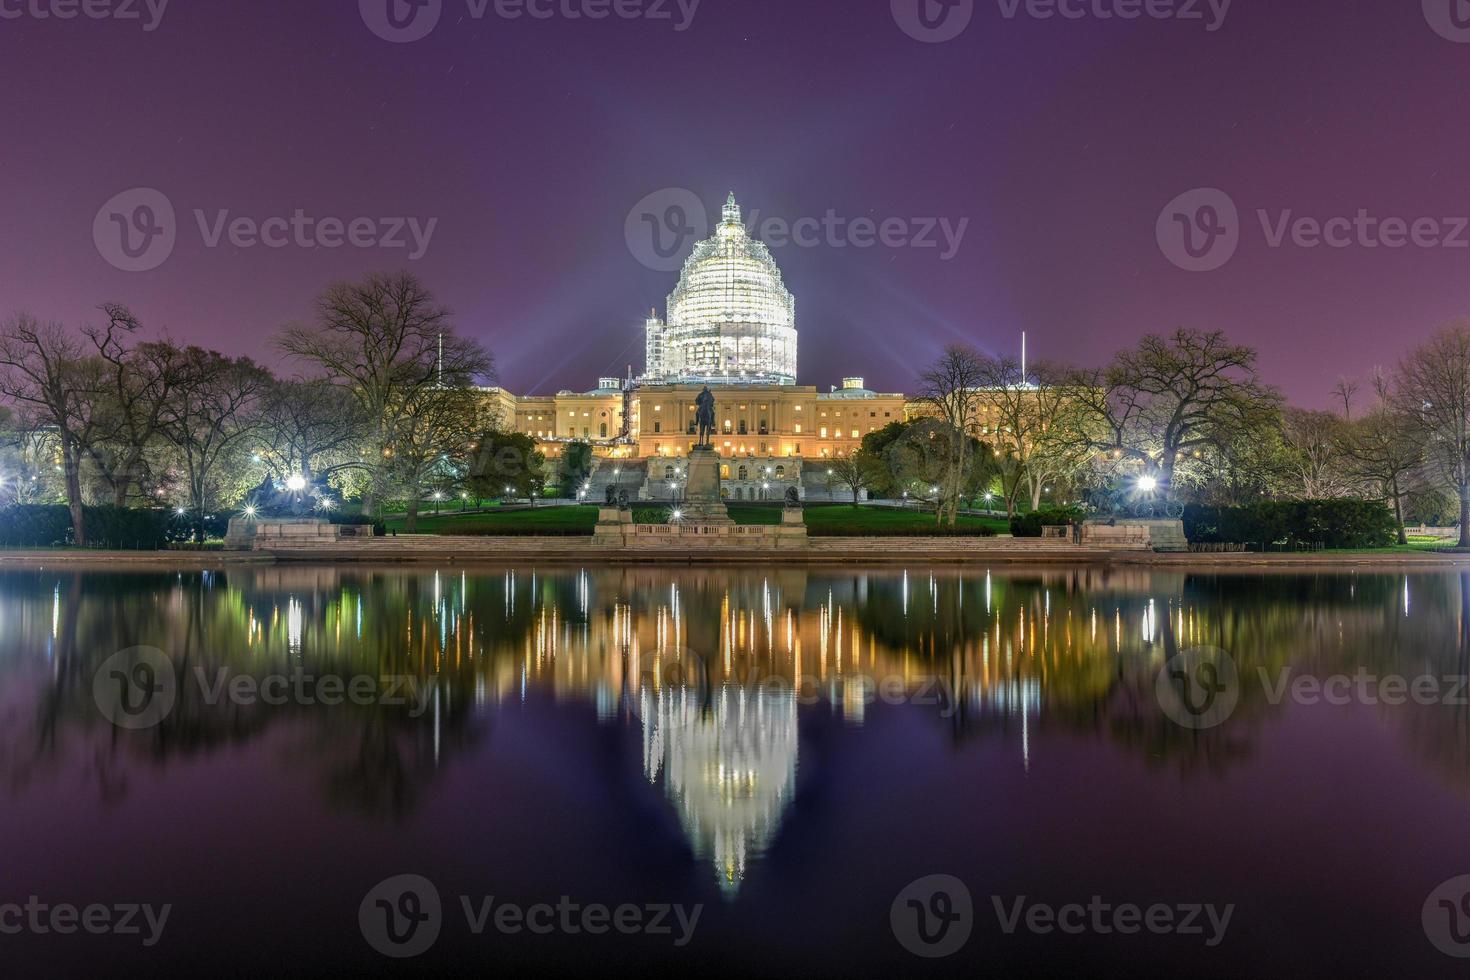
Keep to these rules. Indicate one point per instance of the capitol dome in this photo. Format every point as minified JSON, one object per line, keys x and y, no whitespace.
{"x":731,"y":319}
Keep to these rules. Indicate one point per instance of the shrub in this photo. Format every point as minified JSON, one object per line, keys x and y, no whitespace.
{"x":1030,"y":525}
{"x":120,"y":528}
{"x":1332,"y":523}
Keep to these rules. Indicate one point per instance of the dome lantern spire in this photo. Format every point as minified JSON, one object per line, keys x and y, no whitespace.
{"x":731,"y":212}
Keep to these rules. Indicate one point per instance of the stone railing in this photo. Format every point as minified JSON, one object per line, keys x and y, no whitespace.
{"x":1425,"y":531}
{"x":699,"y":530}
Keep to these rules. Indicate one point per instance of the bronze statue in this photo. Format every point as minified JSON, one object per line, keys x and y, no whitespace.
{"x":705,"y":417}
{"x":612,"y":495}
{"x":793,"y":498}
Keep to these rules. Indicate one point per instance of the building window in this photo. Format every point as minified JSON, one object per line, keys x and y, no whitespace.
{"x":823,"y":432}
{"x":658,"y":426}
{"x":742,"y":427}
{"x":744,"y":473}
{"x":798,"y":428}
{"x":604,"y":430}
{"x":780,"y":472}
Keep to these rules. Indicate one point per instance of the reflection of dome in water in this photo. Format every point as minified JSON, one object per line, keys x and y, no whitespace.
{"x":730,"y":770}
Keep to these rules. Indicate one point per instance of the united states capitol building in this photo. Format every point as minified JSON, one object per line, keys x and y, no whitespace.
{"x":730,"y":324}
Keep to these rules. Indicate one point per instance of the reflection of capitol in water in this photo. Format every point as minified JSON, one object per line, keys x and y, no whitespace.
{"x":729,"y":765}
{"x":710,"y":667}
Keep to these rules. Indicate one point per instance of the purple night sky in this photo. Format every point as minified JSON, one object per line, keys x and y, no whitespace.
{"x":530,"y":141}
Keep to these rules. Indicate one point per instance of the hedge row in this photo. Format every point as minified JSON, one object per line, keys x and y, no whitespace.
{"x":49,"y":525}
{"x":1331,"y":523}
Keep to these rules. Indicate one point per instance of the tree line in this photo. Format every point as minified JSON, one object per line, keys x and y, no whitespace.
{"x":1177,"y":419}
{"x":381,"y":402}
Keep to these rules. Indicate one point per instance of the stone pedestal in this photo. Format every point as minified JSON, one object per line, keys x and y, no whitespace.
{"x":702,"y":503}
{"x":1136,"y":535}
{"x":246,"y":534}
{"x":612,"y":524}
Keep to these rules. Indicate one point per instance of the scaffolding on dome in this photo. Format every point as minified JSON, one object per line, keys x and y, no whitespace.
{"x":731,"y":319}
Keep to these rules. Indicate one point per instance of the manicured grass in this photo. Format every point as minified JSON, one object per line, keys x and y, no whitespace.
{"x":827,"y":520}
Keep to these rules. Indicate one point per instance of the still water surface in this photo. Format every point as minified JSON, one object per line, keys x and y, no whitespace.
{"x":784,"y":750}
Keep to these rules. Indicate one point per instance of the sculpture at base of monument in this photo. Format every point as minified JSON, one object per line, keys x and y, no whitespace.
{"x":278,"y":499}
{"x":612,"y":495}
{"x":793,"y":498}
{"x":622,"y":499}
{"x":705,"y":418}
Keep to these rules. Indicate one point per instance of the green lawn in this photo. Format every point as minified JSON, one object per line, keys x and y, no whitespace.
{"x":821,"y":519}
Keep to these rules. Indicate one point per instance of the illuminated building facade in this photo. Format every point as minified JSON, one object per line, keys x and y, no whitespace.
{"x":731,"y":324}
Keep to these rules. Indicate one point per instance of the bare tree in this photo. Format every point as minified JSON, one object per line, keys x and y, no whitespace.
{"x":1385,"y":448}
{"x":385,"y":340}
{"x":1171,"y":397}
{"x":137,"y":384}
{"x":854,"y":471}
{"x":46,"y":372}
{"x":1346,"y":390}
{"x":1036,"y":427}
{"x":208,"y":418}
{"x":436,"y":432}
{"x":314,"y":428}
{"x":1315,"y":442}
{"x":951,"y":389}
{"x":1432,"y":387}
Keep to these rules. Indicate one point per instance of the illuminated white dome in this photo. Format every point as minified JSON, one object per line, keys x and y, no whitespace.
{"x":731,"y":319}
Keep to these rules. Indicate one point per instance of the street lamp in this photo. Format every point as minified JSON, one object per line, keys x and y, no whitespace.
{"x":296,"y":483}
{"x":1148,"y":484}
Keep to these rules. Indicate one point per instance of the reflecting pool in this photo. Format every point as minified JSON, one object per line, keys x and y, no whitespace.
{"x":303,"y":769}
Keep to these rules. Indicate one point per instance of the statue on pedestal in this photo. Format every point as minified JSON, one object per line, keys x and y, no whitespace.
{"x":793,"y":498}
{"x":705,"y":418}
